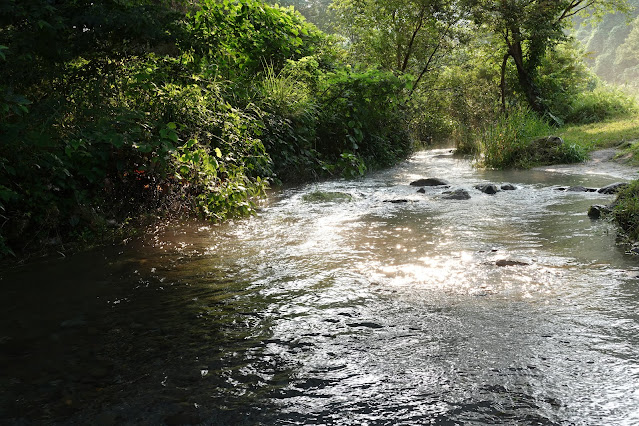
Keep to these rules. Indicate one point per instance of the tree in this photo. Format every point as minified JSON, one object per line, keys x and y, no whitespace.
{"x":527,"y":29}
{"x":408,"y":36}
{"x":317,"y":12}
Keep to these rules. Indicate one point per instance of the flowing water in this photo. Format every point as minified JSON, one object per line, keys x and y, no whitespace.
{"x":335,"y":306}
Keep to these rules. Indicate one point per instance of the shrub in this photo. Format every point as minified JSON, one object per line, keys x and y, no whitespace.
{"x":362,"y":113}
{"x":626,"y":210}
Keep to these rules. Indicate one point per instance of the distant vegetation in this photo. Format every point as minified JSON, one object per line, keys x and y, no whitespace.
{"x":612,"y":46}
{"x":115,"y":110}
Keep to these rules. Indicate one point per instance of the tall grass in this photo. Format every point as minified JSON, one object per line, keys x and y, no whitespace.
{"x":284,"y":94}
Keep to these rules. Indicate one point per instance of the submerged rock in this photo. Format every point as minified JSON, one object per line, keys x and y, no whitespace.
{"x":506,"y":262}
{"x":580,"y":188}
{"x":366,"y":324}
{"x":508,"y":187}
{"x":429,"y":182}
{"x":598,"y":210}
{"x":458,"y":194}
{"x":421,"y":191}
{"x":613,"y":188}
{"x":402,"y":200}
{"x":326,"y":197}
{"x":488,"y":188}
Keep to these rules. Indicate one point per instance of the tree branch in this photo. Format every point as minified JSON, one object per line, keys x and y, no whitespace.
{"x":409,"y":49}
{"x":430,"y":58}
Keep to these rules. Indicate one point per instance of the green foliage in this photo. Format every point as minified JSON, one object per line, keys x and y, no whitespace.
{"x":362,"y":113}
{"x":397,"y":34}
{"x":563,"y":76}
{"x":604,"y":134}
{"x":599,"y":105}
{"x":473,"y":99}
{"x":523,"y":140}
{"x":526,"y":30}
{"x":238,"y":38}
{"x":325,"y":121}
{"x":192,"y":111}
{"x":626,"y":210}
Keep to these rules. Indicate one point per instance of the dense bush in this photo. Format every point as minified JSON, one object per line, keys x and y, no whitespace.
{"x":626,"y":210}
{"x":192,"y":111}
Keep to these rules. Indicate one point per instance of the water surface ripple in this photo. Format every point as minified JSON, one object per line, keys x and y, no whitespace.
{"x":341,"y":310}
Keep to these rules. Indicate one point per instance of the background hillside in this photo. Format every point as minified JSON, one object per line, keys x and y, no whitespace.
{"x":613,"y":47}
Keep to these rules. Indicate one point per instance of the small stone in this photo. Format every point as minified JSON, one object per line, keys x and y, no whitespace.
{"x":508,"y":187}
{"x":396,"y":201}
{"x":421,"y":191}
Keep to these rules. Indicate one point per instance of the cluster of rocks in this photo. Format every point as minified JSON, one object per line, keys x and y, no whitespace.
{"x":610,"y":189}
{"x":459,"y":194}
{"x":595,"y":211}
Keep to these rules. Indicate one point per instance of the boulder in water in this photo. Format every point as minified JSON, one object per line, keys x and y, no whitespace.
{"x":429,"y":182}
{"x":613,"y":188}
{"x":488,"y":188}
{"x":598,"y":210}
{"x":508,"y":187}
{"x":458,"y":194}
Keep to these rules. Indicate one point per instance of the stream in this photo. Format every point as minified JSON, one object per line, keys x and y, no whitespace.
{"x":335,"y":306}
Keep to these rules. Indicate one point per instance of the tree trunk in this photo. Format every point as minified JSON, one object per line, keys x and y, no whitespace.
{"x":531,"y":91}
{"x":502,"y":85}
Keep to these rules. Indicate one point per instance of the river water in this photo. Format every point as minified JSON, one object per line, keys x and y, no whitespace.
{"x":335,"y":306}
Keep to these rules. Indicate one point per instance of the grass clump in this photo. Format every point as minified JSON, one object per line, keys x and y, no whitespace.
{"x":521,"y":140}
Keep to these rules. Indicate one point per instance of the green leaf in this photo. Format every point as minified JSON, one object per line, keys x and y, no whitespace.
{"x":218,"y":152}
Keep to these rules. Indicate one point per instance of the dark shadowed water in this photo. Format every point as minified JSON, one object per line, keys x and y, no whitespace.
{"x":341,"y":310}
